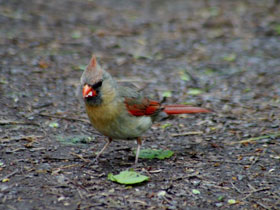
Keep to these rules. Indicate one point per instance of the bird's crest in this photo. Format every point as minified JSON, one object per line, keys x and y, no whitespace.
{"x":93,"y":62}
{"x":93,"y":72}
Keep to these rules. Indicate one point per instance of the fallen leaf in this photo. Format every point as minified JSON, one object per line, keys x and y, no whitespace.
{"x":127,"y":177}
{"x":231,"y":201}
{"x":152,"y":154}
{"x":230,"y":58}
{"x":74,"y":140}
{"x":195,"y":91}
{"x":43,"y":64}
{"x":221,"y":198}
{"x":184,"y":76}
{"x":165,"y":125}
{"x":277,"y":29}
{"x":54,"y":125}
{"x":196,"y":192}
{"x":167,"y":94}
{"x":76,"y":34}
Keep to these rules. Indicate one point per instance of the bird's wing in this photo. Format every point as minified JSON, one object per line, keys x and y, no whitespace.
{"x":143,"y":107}
{"x":137,"y":105}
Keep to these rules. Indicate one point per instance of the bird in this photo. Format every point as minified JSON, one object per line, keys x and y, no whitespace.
{"x":121,"y":112}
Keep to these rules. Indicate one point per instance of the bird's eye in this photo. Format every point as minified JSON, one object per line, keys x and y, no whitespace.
{"x":97,"y":85}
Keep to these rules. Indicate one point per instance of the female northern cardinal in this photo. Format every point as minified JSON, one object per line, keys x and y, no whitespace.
{"x":121,"y":112}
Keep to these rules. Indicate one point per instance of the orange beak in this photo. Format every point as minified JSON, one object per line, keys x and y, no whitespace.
{"x":88,"y":91}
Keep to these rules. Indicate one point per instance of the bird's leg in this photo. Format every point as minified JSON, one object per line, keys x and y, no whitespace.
{"x":103,"y":149}
{"x":139,"y":143}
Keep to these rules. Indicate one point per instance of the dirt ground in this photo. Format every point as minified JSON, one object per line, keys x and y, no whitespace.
{"x":223,"y":55}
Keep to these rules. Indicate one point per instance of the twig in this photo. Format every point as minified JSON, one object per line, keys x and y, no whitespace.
{"x":64,"y":167}
{"x":56,"y":159}
{"x":262,"y":205}
{"x":138,"y":201}
{"x":251,"y":187}
{"x":10,"y":122}
{"x":42,"y":105}
{"x":227,"y":161}
{"x":80,"y":194}
{"x":9,"y":175}
{"x":69,"y":166}
{"x":18,"y":149}
{"x":188,"y":177}
{"x":258,"y":157}
{"x":64,"y":118}
{"x":236,"y":188}
{"x":250,"y":193}
{"x":155,"y":171}
{"x":79,"y":156}
{"x":27,"y":138}
{"x":37,"y":149}
{"x":257,"y":190}
{"x":187,"y":133}
{"x":116,"y":33}
{"x":214,"y":185}
{"x":63,"y":159}
{"x":277,"y":134}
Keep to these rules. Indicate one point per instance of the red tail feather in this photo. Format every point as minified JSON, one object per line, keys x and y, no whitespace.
{"x":183,"y":109}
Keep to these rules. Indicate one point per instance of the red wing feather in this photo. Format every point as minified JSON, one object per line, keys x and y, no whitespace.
{"x":143,"y":107}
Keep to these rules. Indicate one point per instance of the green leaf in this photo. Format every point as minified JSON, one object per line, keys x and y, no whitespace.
{"x":73,"y":140}
{"x":246,"y":90}
{"x":153,"y":153}
{"x":184,"y":76}
{"x":128,"y":177}
{"x":195,"y":191}
{"x":167,"y":94}
{"x":76,"y":34}
{"x":221,"y":198}
{"x":231,"y":201}
{"x":165,"y":125}
{"x":214,"y":11}
{"x":271,"y":135}
{"x":277,"y":29}
{"x":54,"y":125}
{"x":195,"y":91}
{"x":209,"y":71}
{"x":230,"y":58}
{"x":3,"y":81}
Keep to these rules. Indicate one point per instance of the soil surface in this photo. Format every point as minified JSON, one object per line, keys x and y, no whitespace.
{"x":222,"y":55}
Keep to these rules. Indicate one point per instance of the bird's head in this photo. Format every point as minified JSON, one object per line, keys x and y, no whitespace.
{"x":92,"y":80}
